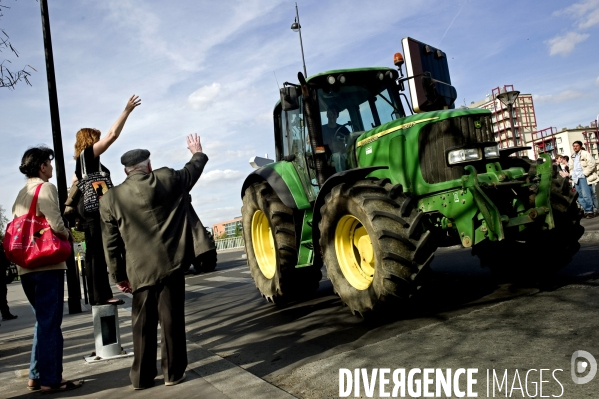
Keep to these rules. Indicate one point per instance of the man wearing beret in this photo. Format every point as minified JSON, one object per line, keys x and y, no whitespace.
{"x":150,"y":216}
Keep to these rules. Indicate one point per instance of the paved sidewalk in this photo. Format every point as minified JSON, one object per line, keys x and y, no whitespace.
{"x":208,"y":375}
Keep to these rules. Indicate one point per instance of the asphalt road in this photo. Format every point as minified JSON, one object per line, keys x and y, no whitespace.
{"x":463,"y":319}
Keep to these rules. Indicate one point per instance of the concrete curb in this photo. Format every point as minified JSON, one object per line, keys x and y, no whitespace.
{"x":230,"y":379}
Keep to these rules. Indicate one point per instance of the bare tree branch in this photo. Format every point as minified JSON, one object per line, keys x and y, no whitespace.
{"x":9,"y":78}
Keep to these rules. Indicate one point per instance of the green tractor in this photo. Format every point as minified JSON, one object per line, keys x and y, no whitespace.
{"x":374,"y":196}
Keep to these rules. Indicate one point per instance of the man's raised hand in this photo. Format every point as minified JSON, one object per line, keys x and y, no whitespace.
{"x":193,"y":143}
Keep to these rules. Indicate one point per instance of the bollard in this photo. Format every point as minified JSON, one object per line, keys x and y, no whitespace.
{"x":106,"y":334}
{"x":106,"y":331}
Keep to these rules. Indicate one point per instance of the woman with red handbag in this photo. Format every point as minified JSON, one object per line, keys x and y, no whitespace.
{"x":44,"y":284}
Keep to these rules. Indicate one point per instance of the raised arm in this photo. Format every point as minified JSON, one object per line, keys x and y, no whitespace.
{"x":115,"y":130}
{"x":190,"y":174}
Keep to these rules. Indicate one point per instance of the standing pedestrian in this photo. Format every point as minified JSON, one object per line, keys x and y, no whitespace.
{"x":4,"y":309}
{"x":44,"y":285}
{"x":89,"y":143}
{"x":583,"y":174}
{"x":151,"y":234}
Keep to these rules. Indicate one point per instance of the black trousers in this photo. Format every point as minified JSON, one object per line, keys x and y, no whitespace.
{"x":96,"y":270}
{"x":160,"y":303}
{"x":3,"y":291}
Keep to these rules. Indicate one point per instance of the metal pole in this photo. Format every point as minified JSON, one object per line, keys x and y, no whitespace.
{"x":510,"y":109}
{"x":300,"y":35}
{"x":74,"y":291}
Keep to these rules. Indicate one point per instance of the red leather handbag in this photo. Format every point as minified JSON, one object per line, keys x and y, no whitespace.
{"x":30,"y":242}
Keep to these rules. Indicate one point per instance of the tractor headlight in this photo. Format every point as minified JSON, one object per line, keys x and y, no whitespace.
{"x":492,"y":151}
{"x":463,"y":155}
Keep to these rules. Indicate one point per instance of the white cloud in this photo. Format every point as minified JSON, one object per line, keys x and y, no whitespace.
{"x":563,"y":45}
{"x":566,"y":95}
{"x":203,"y":97}
{"x":586,"y":13}
{"x":222,"y":175}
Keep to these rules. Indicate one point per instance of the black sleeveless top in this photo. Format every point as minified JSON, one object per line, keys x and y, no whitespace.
{"x":91,"y":164}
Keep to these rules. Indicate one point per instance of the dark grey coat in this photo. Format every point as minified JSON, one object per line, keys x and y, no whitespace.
{"x":149,"y":227}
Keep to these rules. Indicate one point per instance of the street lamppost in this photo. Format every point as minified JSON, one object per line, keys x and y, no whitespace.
{"x":296,"y":27}
{"x":73,"y":290}
{"x":508,"y":98}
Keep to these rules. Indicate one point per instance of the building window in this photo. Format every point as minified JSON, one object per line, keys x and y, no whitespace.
{"x":232,"y":228}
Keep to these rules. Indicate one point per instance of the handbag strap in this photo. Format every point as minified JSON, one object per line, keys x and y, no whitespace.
{"x":84,"y":169}
{"x":34,"y":201}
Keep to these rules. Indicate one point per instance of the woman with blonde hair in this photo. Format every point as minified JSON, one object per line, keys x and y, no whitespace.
{"x":91,"y":145}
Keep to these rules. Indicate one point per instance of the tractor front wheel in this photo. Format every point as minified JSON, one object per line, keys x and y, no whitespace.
{"x":374,"y":245}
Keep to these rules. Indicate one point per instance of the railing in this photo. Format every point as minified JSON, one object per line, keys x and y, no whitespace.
{"x":229,"y":243}
{"x":547,"y":132}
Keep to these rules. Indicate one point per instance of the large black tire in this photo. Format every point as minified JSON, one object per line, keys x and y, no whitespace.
{"x":543,"y":252}
{"x":271,"y":246}
{"x":375,"y":247}
{"x":206,"y":262}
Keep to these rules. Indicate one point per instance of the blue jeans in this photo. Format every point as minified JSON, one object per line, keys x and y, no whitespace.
{"x":585,"y":198}
{"x":45,"y":292}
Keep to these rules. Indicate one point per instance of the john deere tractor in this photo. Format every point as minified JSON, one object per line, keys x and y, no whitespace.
{"x":373,"y":194}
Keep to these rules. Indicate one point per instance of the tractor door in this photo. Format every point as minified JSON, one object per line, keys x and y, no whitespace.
{"x":296,"y":142}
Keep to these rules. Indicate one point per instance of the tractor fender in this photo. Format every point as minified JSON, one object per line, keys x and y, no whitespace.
{"x":274,"y":179}
{"x":336,"y":179}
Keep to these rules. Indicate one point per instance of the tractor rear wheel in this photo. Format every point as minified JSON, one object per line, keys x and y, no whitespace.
{"x":271,"y":246}
{"x":374,"y":244}
{"x":543,"y":253}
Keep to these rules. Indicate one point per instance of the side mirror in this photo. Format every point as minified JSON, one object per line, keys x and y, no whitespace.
{"x":258,"y":162}
{"x":430,"y":86}
{"x":289,"y":100}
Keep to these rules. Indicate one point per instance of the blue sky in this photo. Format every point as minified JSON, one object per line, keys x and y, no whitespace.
{"x":207,"y":67}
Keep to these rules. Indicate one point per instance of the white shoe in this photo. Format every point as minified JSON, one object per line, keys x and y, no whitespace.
{"x":171,"y":383}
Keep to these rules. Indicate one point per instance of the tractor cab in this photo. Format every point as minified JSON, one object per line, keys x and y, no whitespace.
{"x":350,"y":103}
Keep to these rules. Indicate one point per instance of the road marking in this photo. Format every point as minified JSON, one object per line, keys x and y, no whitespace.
{"x":203,"y":289}
{"x":234,"y":269}
{"x":230,"y":279}
{"x":246,"y":272}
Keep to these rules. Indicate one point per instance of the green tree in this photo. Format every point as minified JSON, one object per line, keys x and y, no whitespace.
{"x":78,"y":236}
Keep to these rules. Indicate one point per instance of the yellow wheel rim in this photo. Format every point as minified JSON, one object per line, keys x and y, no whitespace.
{"x":355,"y":253}
{"x":264,"y":245}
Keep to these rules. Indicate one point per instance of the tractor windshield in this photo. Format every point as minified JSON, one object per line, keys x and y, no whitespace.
{"x":360,"y":108}
{"x":350,"y":110}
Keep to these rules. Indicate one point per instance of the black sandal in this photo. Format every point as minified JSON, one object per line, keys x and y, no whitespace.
{"x":69,"y":386}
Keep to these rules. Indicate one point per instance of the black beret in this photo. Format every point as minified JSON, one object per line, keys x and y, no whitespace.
{"x":134,"y":157}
